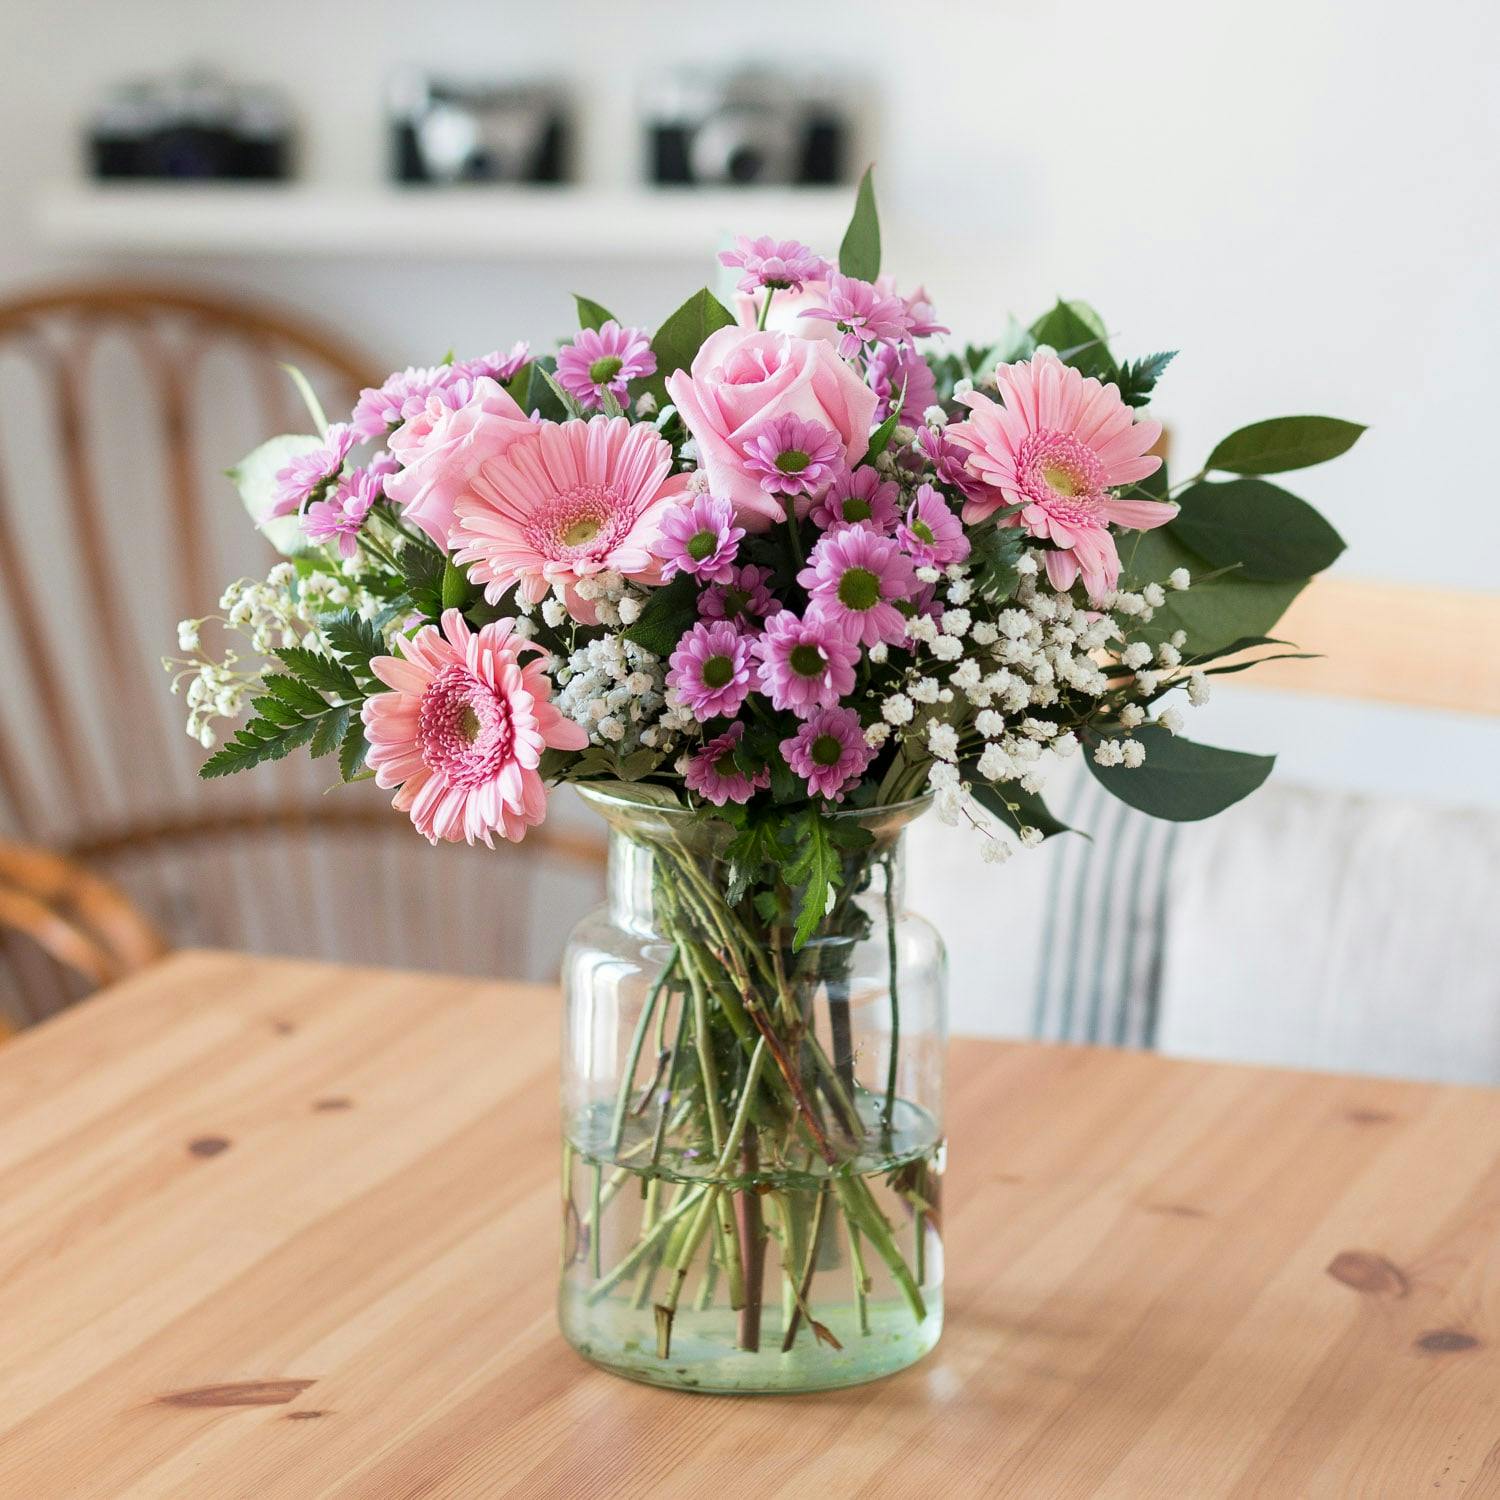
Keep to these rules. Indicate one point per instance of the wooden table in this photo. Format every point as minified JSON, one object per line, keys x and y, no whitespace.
{"x":270,"y":1229}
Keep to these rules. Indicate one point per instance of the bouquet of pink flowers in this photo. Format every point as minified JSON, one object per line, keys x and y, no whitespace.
{"x":776,"y":567}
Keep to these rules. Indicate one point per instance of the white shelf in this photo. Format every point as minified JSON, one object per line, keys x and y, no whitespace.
{"x":467,"y":222}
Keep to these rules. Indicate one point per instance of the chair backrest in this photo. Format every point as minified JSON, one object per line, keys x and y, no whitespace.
{"x":120,"y":409}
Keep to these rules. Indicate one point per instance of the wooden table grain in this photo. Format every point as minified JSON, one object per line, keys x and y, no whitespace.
{"x":270,"y":1229}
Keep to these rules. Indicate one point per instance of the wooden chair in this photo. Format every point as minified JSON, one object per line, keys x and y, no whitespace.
{"x":120,"y":408}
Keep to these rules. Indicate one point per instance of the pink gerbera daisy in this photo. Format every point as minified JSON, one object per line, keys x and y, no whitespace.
{"x":781,"y":265}
{"x":789,"y":456}
{"x":855,"y":577}
{"x":805,"y":664}
{"x":309,"y":474}
{"x":1057,"y":446}
{"x":931,"y":534}
{"x":860,"y":497}
{"x":863,"y":315}
{"x":710,"y":670}
{"x":461,"y":732}
{"x":573,"y":499}
{"x":700,"y":538}
{"x":343,"y":514}
{"x":403,"y":395}
{"x":712,"y":773}
{"x":828,"y":752}
{"x":606,"y":358}
{"x":745,"y":595}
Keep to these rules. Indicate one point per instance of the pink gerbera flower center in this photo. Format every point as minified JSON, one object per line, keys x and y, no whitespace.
{"x":1057,"y":466}
{"x":580,"y":523}
{"x":463,"y":729}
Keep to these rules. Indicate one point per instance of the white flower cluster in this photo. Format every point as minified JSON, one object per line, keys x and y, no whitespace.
{"x":282,"y":610}
{"x":617,"y":691}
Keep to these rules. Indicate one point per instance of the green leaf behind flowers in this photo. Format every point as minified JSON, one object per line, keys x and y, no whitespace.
{"x":288,"y":715}
{"x":1012,"y":805}
{"x":1280,"y":444}
{"x":1074,"y":329}
{"x":1137,"y":377}
{"x":356,"y":640}
{"x":591,"y":314}
{"x":859,"y":254}
{"x":1180,"y":780}
{"x":667,"y":614}
{"x":679,"y":339}
{"x":1271,"y":534}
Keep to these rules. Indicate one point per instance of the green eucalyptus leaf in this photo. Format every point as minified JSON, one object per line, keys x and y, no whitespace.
{"x":667,"y":614}
{"x":1214,"y":612}
{"x":1271,"y":534}
{"x":1183,"y":781}
{"x":1012,"y":805}
{"x":859,"y":254}
{"x":682,"y":335}
{"x":1280,"y":444}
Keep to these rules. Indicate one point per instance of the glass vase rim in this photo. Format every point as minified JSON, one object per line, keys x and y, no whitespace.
{"x":592,"y":793}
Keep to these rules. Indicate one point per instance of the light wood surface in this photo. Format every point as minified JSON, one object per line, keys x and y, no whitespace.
{"x":277,"y":1230}
{"x":1391,"y":643}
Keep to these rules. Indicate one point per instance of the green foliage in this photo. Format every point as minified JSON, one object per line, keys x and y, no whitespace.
{"x":424,"y":569}
{"x":1280,"y":444}
{"x":1012,"y":804}
{"x":288,"y":715}
{"x":1137,"y":377}
{"x":996,"y":550}
{"x":355,"y":639}
{"x":679,"y":339}
{"x":1214,"y":611}
{"x":1076,"y":332}
{"x":541,"y":391}
{"x":815,"y":866}
{"x":1270,"y":534}
{"x":455,"y":592}
{"x":859,"y":254}
{"x":1182,"y":781}
{"x":561,"y":399}
{"x":591,"y":314}
{"x":352,"y":750}
{"x":880,"y":439}
{"x":320,"y":672}
{"x":666,"y":615}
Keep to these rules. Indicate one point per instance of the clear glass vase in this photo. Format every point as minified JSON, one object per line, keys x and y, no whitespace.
{"x":753,"y":1135}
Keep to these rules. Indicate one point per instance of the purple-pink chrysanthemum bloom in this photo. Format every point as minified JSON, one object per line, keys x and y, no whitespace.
{"x":382,"y":465}
{"x":710,"y":670}
{"x":782,"y":265}
{"x":805,"y":664}
{"x":606,"y":358}
{"x":498,"y":364}
{"x":1058,"y":443}
{"x":828,"y":752}
{"x":854,"y":577}
{"x":948,"y":460}
{"x":788,"y":456}
{"x":918,"y":306}
{"x":860,"y":497}
{"x":310,"y":472}
{"x":712,"y":773}
{"x":743,"y":596}
{"x":896,"y":371}
{"x":403,"y":395}
{"x":932,"y":535}
{"x":343,"y":513}
{"x":863,"y":315}
{"x":700,"y":538}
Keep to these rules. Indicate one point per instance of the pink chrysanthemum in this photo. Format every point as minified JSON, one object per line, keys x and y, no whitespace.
{"x":1059,"y":443}
{"x":863,"y":315}
{"x":919,"y":308}
{"x":700,"y":538}
{"x":893,"y":371}
{"x":606,"y":358}
{"x":497,"y":364}
{"x":462,"y":730}
{"x":343,"y":513}
{"x":805,"y":664}
{"x":743,"y":596}
{"x":933,"y":448}
{"x":403,"y":395}
{"x":710,"y":670}
{"x":788,"y":456}
{"x":782,"y":265}
{"x":310,"y":473}
{"x":712,"y":773}
{"x":860,"y":497}
{"x":931,"y":534}
{"x":828,"y":752}
{"x":571,"y":500}
{"x":854,"y":578}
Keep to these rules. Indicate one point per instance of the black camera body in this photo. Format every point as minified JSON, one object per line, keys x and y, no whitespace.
{"x":191,"y":126}
{"x":743,"y":129}
{"x":452,"y":132}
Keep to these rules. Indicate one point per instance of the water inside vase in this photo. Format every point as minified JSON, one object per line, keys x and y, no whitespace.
{"x":804,"y":1276}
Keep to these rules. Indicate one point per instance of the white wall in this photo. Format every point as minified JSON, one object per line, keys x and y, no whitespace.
{"x":1299,"y":194}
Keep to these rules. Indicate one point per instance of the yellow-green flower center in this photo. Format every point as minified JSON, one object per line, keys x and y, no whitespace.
{"x":718,"y":671}
{"x":806,"y":660}
{"x":923,"y":532}
{"x":701,"y":545}
{"x":467,"y":724}
{"x":604,"y":369}
{"x":793,"y":461}
{"x":826,"y":750}
{"x":1060,"y":480}
{"x":581,"y":532}
{"x":859,"y":588}
{"x":856,"y":509}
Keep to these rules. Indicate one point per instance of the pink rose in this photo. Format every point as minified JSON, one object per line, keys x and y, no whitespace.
{"x":741,"y":379}
{"x":441,"y":448}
